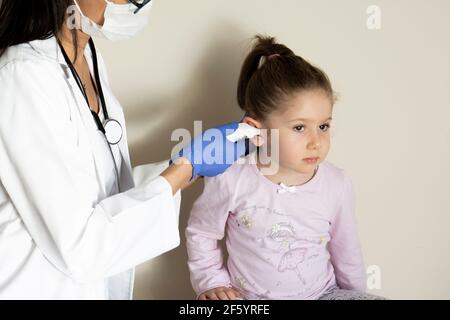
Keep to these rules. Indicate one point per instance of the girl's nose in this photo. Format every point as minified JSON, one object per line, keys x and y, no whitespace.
{"x":314,"y":142}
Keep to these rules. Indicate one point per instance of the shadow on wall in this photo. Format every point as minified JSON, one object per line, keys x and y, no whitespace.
{"x":211,"y":97}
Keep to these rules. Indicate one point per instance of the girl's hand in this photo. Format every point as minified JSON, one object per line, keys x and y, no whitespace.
{"x":221,"y":293}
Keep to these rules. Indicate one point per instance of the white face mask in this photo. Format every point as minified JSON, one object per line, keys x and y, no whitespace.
{"x":120,"y":21}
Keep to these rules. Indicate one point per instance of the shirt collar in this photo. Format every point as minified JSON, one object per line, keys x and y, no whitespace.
{"x":49,"y":49}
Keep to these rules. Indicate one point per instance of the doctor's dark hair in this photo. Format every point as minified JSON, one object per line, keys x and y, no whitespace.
{"x":271,"y":73}
{"x":24,"y":20}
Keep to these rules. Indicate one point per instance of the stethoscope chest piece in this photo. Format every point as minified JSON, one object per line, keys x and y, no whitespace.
{"x":113,"y":131}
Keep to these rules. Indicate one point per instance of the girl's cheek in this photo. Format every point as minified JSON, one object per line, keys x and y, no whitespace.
{"x":294,"y":139}
{"x":285,"y":141}
{"x":290,"y":144}
{"x":326,"y":140}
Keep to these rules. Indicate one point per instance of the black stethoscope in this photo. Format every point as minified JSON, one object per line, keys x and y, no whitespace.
{"x":111,"y":129}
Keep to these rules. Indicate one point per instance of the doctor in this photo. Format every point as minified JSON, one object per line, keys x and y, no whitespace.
{"x":75,"y":219}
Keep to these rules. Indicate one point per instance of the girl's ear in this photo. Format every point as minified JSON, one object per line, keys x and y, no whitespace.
{"x":257,"y":140}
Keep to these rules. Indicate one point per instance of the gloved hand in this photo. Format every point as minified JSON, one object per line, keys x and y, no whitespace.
{"x":211,"y":153}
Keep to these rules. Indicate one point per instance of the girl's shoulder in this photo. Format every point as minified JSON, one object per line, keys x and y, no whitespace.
{"x":332,"y":170}
{"x":334,"y":176}
{"x":237,"y":176}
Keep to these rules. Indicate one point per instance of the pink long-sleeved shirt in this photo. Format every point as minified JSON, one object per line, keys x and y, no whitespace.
{"x":282,"y":243}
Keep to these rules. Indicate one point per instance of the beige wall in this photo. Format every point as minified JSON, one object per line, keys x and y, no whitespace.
{"x":391,"y":127}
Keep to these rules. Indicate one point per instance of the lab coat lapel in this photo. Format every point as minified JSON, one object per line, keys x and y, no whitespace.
{"x":49,"y":49}
{"x":121,"y":154}
{"x":90,"y":131}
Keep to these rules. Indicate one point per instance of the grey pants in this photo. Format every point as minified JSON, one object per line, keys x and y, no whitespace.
{"x":342,"y":294}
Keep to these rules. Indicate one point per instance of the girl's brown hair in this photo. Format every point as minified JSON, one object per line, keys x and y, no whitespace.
{"x":270,"y":73}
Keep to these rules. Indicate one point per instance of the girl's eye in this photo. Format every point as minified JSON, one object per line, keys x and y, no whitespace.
{"x":299,"y":128}
{"x":324,"y":127}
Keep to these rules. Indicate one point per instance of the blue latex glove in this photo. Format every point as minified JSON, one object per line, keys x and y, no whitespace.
{"x":211,"y":153}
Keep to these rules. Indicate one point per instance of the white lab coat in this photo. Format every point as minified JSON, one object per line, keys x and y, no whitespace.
{"x":63,"y":235}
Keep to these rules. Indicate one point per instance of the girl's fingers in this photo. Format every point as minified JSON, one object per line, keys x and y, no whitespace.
{"x":236,"y":292}
{"x":222,"y":295}
{"x":212,"y":296}
{"x":231,"y":294}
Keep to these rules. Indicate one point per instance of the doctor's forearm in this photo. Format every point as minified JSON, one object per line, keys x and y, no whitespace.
{"x":178,"y":175}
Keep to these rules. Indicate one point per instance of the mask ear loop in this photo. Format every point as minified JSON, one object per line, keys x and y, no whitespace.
{"x":78,"y":8}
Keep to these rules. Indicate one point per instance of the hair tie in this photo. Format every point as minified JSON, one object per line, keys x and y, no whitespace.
{"x":273,"y":56}
{"x":263,"y":59}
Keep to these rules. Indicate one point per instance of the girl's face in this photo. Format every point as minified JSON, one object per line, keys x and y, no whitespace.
{"x":303,"y":122}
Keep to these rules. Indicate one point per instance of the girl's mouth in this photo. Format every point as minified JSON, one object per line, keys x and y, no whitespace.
{"x":311,"y":160}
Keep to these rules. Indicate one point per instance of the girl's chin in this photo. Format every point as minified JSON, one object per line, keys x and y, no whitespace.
{"x":303,"y":169}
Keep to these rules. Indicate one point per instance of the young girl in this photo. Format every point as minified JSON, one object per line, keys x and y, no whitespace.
{"x":292,"y":234}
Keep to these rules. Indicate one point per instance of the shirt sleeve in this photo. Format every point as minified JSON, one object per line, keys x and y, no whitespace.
{"x":344,"y":246}
{"x":144,"y":174}
{"x":206,"y":226}
{"x":50,"y":183}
